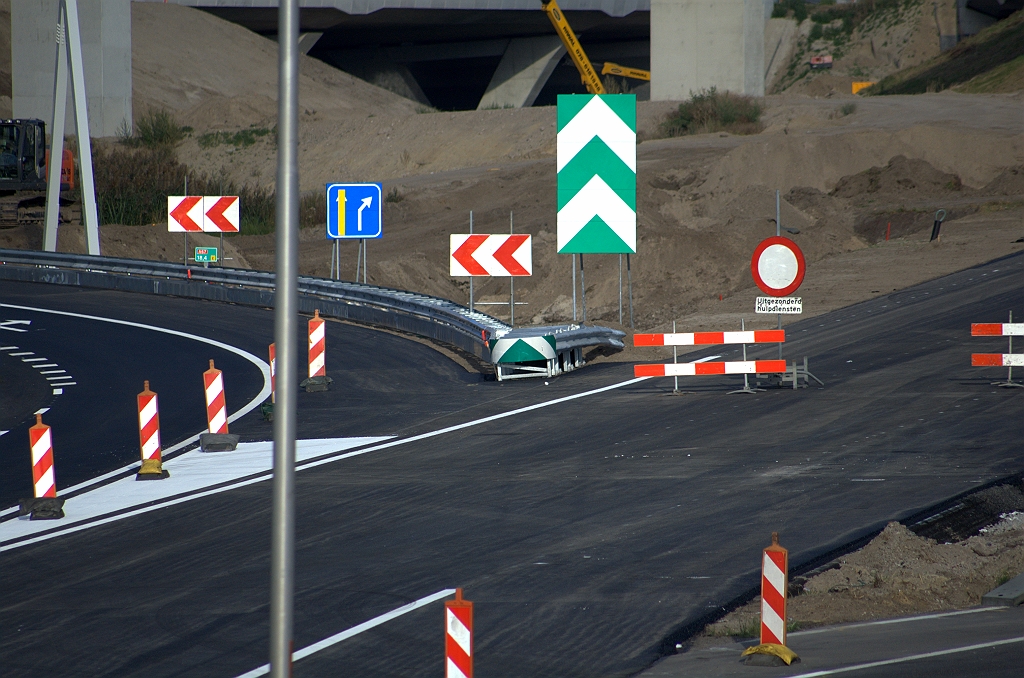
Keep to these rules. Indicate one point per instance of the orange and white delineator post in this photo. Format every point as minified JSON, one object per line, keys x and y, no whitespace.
{"x":149,"y":436}
{"x":458,"y":637}
{"x":216,"y":407}
{"x":273,"y":373}
{"x":774,"y":583}
{"x":317,"y":344}
{"x":44,"y":484}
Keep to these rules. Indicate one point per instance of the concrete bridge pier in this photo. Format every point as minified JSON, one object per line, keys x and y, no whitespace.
{"x":699,"y":44}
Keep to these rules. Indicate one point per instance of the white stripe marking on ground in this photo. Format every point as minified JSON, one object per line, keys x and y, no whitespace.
{"x":246,"y":409}
{"x":355,"y":630}
{"x":901,"y":620}
{"x":913,"y":657}
{"x":298,"y":466}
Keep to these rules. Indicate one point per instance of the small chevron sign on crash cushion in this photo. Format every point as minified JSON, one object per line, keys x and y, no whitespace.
{"x":596,"y":159}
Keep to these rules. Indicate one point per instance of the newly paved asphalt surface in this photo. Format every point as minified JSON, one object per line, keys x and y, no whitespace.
{"x":590,"y":533}
{"x":985,"y":642}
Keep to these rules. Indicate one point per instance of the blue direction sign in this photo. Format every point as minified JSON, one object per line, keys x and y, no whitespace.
{"x":354,"y":211}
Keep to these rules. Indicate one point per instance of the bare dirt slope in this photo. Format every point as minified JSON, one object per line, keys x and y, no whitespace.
{"x":901,"y":573}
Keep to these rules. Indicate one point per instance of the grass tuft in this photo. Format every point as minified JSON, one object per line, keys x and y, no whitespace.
{"x":713,"y":111}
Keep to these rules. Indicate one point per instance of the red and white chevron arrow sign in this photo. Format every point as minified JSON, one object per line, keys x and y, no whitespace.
{"x":197,"y":213}
{"x":497,"y":255}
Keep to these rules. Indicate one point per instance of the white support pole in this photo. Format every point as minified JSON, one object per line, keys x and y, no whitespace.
{"x":572,"y":261}
{"x":53,"y":168}
{"x":471,"y":277}
{"x":74,"y":43}
{"x":511,"y":281}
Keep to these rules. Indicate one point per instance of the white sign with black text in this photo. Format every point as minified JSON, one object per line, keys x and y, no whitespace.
{"x":779,"y":305}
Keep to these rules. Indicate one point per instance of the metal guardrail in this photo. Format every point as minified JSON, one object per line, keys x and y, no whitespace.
{"x":420,"y":314}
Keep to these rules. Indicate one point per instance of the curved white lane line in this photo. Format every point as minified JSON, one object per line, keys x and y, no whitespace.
{"x":246,"y":409}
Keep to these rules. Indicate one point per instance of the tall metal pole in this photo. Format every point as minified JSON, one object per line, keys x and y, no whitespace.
{"x":620,"y":289}
{"x":511,"y":281}
{"x":53,"y":168}
{"x":675,"y":356}
{"x":778,"y":231}
{"x":90,"y":217}
{"x":286,"y":301}
{"x":572,"y":260}
{"x":471,"y":277}
{"x":583,"y":289}
{"x":629,"y":277}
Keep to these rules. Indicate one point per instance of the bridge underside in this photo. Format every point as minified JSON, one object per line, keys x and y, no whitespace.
{"x":462,"y":59}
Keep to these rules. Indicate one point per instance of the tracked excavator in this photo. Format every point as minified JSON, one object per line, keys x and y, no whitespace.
{"x":588,"y":74}
{"x":23,"y":160}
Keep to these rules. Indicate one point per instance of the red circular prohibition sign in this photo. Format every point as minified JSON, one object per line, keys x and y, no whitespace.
{"x":772,"y":266}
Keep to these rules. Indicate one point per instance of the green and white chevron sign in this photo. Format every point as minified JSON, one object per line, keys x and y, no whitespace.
{"x":596,"y":157}
{"x":525,"y":349}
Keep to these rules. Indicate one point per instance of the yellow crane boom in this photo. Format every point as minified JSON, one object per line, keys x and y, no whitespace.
{"x":625,"y":71}
{"x":572,"y":45}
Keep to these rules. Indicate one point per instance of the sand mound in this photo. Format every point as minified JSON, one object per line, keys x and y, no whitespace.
{"x":900,"y":177}
{"x":1009,"y":182}
{"x":218,"y":75}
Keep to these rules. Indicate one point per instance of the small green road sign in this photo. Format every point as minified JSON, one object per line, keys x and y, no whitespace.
{"x":596,"y":159}
{"x":206,"y":255}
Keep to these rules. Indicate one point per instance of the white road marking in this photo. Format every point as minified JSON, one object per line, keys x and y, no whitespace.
{"x":58,"y":391}
{"x":900,"y":620}
{"x":65,"y":383}
{"x":54,"y":372}
{"x":43,"y":411}
{"x":911,"y":658}
{"x":56,"y":378}
{"x":18,"y":355}
{"x":191,"y":472}
{"x":250,"y":481}
{"x":244,"y":410}
{"x":8,"y":348}
{"x":32,"y":360}
{"x":355,"y":630}
{"x":4,"y":432}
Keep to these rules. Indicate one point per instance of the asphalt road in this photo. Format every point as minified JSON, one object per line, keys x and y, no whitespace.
{"x":588,"y":532}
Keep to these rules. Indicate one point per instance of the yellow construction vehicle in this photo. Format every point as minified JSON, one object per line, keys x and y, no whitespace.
{"x":588,"y":75}
{"x":625,"y":71}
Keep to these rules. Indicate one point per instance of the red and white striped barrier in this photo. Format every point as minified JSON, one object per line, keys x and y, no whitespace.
{"x":774,"y":583}
{"x":273,"y":373}
{"x":317,"y":344}
{"x":149,"y":436}
{"x":697,"y":369}
{"x":997,"y":360}
{"x":458,"y":637}
{"x":44,"y":484}
{"x":1008,"y":360}
{"x":149,"y":424}
{"x":216,"y":407}
{"x":702,"y":338}
{"x":997,"y":329}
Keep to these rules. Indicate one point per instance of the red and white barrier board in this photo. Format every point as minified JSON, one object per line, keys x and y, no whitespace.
{"x":317,"y":344}
{"x":997,"y":360}
{"x":202,"y":214}
{"x":698,"y":369}
{"x":997,"y":329}
{"x":458,"y":637}
{"x":496,"y":255}
{"x":216,"y":406}
{"x":149,"y":424}
{"x":44,"y":484}
{"x":774,"y":582}
{"x":702,"y":338}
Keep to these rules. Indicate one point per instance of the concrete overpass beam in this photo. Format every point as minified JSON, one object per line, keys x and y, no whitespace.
{"x":699,"y":44}
{"x":522,"y":72}
{"x":106,"y":27}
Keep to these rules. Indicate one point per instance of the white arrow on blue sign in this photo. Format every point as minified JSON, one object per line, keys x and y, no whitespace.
{"x":354,"y":211}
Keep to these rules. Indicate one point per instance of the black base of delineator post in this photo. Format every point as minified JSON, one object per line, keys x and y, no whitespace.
{"x":218,"y":442}
{"x":42,"y":508}
{"x":316,"y":384}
